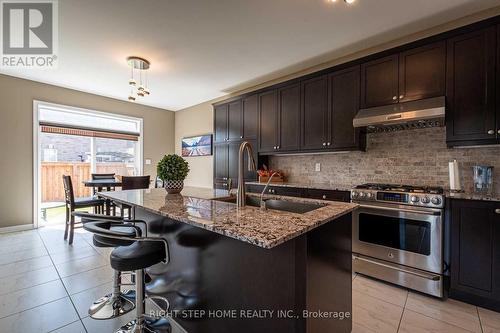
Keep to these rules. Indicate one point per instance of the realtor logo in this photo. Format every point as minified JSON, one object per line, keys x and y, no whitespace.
{"x":29,"y":33}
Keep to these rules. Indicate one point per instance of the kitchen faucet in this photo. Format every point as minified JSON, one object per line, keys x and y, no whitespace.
{"x":241,"y":195}
{"x":262,"y":204}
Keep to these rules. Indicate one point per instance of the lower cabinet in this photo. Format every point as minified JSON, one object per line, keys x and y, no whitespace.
{"x":330,"y":195}
{"x":475,"y":252}
{"x":226,"y":165}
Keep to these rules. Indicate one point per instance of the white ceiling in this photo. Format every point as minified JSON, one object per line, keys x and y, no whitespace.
{"x":203,"y":49}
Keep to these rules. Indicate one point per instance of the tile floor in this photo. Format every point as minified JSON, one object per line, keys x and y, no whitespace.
{"x":47,"y":286}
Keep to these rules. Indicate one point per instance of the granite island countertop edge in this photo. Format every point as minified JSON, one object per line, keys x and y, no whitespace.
{"x":231,"y":231}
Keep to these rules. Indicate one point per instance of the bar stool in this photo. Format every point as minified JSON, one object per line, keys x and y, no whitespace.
{"x":142,"y":253}
{"x":116,"y":303}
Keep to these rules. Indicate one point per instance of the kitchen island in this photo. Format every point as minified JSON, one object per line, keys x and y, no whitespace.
{"x":247,"y":269}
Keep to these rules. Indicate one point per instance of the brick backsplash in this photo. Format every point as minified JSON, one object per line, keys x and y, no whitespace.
{"x":415,"y":157}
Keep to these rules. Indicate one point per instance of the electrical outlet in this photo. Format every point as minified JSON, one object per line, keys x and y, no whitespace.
{"x":317,"y":167}
{"x":148,"y":161}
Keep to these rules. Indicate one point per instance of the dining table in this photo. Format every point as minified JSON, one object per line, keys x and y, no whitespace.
{"x":98,"y":185}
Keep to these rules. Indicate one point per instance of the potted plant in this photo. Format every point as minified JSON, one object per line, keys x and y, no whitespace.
{"x":173,"y":169}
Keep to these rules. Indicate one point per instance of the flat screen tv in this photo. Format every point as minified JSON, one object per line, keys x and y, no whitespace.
{"x":197,"y":146}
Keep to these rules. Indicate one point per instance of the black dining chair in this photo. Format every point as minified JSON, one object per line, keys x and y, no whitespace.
{"x":73,"y":203}
{"x":100,"y":176}
{"x":132,"y":183}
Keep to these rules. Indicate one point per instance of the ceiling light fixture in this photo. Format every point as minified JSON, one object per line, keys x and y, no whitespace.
{"x":139,"y":67}
{"x":349,"y":2}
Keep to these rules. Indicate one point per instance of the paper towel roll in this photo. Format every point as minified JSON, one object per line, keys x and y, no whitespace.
{"x":455,"y":184}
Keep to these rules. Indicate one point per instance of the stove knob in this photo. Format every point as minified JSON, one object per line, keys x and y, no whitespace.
{"x":425,"y":200}
{"x":354,"y":195}
{"x":369,"y":195}
{"x":361,"y":194}
{"x":414,"y":199}
{"x":436,"y":200}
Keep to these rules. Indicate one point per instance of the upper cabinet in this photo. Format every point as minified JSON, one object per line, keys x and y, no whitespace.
{"x":288,"y":118}
{"x":470,"y":90}
{"x":279,"y":121}
{"x":344,"y":101}
{"x":220,"y":123}
{"x":250,"y":117}
{"x":422,"y":72}
{"x":315,"y":113}
{"x":234,"y":121}
{"x":268,"y":121}
{"x":379,"y":82}
{"x":407,"y":76}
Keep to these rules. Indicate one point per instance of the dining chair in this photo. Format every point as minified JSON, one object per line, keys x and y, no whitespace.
{"x":100,"y":176}
{"x":132,"y":183}
{"x":72,"y":203}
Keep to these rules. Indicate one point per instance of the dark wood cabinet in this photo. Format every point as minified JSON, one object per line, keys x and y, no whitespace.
{"x":470,"y":90}
{"x":379,"y":81}
{"x":414,"y":74}
{"x":344,"y":100}
{"x":234,"y":121}
{"x":314,"y":113}
{"x":329,"y":195}
{"x":250,"y":117}
{"x":220,"y":123}
{"x":498,"y":85}
{"x":268,"y":121}
{"x":422,"y":72}
{"x":220,"y":162}
{"x":226,"y":164}
{"x":475,"y":252}
{"x":288,"y":128}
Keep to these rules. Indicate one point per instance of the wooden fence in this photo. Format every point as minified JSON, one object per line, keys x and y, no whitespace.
{"x":52,"y":172}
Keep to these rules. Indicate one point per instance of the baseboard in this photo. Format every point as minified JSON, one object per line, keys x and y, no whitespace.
{"x":15,"y":228}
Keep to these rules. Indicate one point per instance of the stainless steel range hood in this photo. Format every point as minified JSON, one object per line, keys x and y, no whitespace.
{"x":418,"y":114}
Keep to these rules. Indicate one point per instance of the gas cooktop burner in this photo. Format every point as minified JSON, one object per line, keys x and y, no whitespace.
{"x":401,"y":188}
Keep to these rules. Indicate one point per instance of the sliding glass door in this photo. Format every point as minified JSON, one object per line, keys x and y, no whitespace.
{"x":76,"y":142}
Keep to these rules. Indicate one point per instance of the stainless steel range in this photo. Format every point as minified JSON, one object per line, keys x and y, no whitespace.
{"x":398,"y":235}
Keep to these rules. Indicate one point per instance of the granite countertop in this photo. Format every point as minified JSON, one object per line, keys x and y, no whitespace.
{"x":263,"y":228}
{"x":315,"y":186}
{"x":473,"y":196}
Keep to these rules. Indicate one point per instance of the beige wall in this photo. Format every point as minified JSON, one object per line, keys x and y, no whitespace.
{"x":195,"y":121}
{"x":16,"y":137}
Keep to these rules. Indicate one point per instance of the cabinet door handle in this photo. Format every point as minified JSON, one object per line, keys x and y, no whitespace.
{"x":499,"y":131}
{"x":324,"y":143}
{"x":328,"y":143}
{"x":401,"y":96}
{"x":497,"y":210}
{"x":324,"y":196}
{"x":241,"y":136}
{"x":277,"y":147}
{"x":394,"y":98}
{"x":491,"y":132}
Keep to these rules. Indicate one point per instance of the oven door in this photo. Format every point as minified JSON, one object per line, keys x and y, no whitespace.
{"x":408,"y":236}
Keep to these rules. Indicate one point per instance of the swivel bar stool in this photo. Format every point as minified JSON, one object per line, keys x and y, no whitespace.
{"x":116,"y":303}
{"x":142,"y":253}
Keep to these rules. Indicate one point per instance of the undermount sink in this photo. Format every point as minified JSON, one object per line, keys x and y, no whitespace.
{"x":275,"y":204}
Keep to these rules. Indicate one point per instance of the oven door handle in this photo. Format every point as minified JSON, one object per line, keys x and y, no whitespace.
{"x":431,"y":277}
{"x":404,"y":210}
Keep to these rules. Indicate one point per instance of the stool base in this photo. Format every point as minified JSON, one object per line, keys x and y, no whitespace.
{"x":149,"y":325}
{"x":108,"y":307}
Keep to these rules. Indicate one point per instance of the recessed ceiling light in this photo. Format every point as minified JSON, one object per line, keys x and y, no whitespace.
{"x":349,"y":1}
